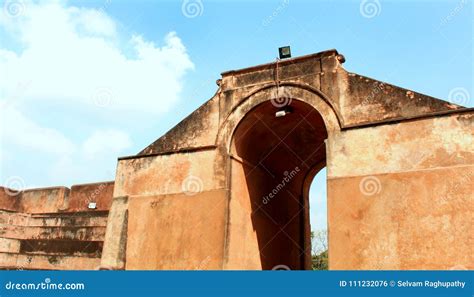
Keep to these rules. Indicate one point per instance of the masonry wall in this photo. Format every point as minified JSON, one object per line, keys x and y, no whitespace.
{"x":175,"y":212}
{"x":400,"y":195}
{"x":53,"y":228}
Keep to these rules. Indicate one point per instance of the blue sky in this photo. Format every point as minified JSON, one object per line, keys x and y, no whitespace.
{"x":82,"y":82}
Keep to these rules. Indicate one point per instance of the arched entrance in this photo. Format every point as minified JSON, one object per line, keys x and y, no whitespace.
{"x":210,"y":194}
{"x":276,"y":150}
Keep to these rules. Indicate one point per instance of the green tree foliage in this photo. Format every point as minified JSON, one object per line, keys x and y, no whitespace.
{"x":319,"y":250}
{"x":320,"y":262}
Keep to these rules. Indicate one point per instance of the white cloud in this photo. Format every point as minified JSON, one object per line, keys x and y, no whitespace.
{"x":79,"y":57}
{"x":17,"y":129}
{"x":105,"y":142}
{"x":94,"y":160}
{"x":94,"y":22}
{"x":74,"y":162}
{"x":74,"y":54}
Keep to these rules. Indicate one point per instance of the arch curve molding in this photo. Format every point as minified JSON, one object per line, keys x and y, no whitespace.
{"x":290,"y":92}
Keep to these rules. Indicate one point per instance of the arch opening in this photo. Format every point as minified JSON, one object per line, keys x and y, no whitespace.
{"x":274,"y":158}
{"x":319,"y":221}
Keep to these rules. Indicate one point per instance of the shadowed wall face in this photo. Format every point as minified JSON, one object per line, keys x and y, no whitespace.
{"x":271,"y":159}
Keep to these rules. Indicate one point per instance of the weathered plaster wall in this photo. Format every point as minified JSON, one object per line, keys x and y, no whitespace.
{"x":197,"y":148}
{"x":355,"y":99}
{"x":198,"y":129}
{"x":400,"y":196}
{"x":178,"y":205}
{"x":175,"y":213}
{"x":99,"y":193}
{"x":53,"y":228}
{"x":43,"y":200}
{"x":58,"y":199}
{"x":169,"y":173}
{"x":177,"y":231}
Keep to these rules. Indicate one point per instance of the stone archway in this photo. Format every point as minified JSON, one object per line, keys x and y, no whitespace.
{"x":262,"y":104}
{"x":272,"y":159}
{"x":399,"y":175}
{"x":399,"y":166}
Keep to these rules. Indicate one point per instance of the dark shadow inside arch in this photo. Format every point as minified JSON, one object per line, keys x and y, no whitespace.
{"x":279,"y":156}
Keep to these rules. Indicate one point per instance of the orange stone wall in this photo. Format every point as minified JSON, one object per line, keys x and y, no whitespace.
{"x":400,"y":175}
{"x":53,"y":228}
{"x":400,"y":196}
